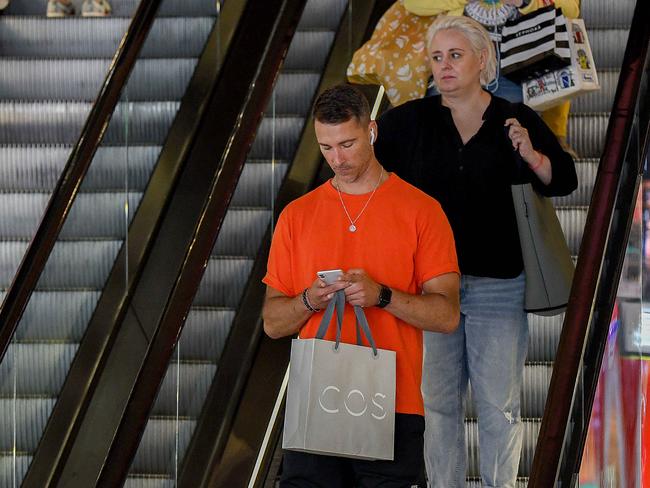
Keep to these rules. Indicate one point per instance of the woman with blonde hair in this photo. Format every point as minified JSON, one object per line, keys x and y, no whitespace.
{"x":492,"y":14}
{"x":466,"y":147}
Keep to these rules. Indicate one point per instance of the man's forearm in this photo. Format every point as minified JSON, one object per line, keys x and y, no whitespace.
{"x":284,"y":316}
{"x":435,"y":312}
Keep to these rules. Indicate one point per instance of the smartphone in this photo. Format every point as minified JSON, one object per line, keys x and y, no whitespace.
{"x":329,"y":276}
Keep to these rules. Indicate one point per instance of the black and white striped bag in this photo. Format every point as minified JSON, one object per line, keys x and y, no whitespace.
{"x":534,"y":44}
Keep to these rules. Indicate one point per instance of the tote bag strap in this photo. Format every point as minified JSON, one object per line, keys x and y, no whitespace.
{"x":338,"y":304}
{"x":363,"y":322}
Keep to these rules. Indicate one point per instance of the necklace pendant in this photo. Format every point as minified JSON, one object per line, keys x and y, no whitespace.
{"x":352,"y":228}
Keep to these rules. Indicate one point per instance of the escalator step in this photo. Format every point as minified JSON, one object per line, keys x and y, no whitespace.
{"x":57,"y":316}
{"x":600,"y":100}
{"x":184,"y":387}
{"x":13,"y":468}
{"x":223,"y":282}
{"x":123,"y":8}
{"x":72,"y":265}
{"x":152,"y":481}
{"x":306,"y":52}
{"x":24,"y":418}
{"x":61,"y":123}
{"x":322,"y":15}
{"x":37,"y":168}
{"x":259,"y":183}
{"x":544,"y":337}
{"x":39,"y":37}
{"x":572,"y":221}
{"x":285,"y":129}
{"x":586,"y":133}
{"x":93,"y":215}
{"x":293,"y":93}
{"x":205,"y":333}
{"x":242,"y":231}
{"x":599,"y":13}
{"x":159,"y":442}
{"x":607,"y":46}
{"x":586,"y":170}
{"x":80,"y":79}
{"x":37,"y":369}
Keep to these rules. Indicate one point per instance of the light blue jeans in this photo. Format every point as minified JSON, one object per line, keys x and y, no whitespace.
{"x":488,"y":348}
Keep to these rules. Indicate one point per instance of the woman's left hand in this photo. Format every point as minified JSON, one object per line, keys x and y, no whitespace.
{"x":521,"y":140}
{"x":536,"y":161}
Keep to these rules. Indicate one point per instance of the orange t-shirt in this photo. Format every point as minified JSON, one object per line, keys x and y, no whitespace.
{"x":403,"y":239}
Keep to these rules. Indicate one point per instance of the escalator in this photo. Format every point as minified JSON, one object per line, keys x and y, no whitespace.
{"x":52,"y":71}
{"x":190,"y":391}
{"x":608,"y":35}
{"x":197,"y":356}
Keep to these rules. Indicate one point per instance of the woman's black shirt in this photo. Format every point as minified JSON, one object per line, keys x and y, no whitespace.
{"x":419,"y":142}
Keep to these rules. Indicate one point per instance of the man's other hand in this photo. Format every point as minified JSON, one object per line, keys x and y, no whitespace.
{"x":363,"y":290}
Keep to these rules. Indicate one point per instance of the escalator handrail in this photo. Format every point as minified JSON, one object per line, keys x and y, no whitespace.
{"x":569,"y":354}
{"x":68,"y":184}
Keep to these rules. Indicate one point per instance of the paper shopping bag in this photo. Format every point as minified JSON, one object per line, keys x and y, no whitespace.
{"x":341,"y":397}
{"x":534,"y":44}
{"x":554,"y":87}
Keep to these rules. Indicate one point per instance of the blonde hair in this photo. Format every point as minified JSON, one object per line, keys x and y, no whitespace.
{"x":477,"y":36}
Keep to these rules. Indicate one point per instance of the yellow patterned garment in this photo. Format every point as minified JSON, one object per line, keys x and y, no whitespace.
{"x":395,"y":56}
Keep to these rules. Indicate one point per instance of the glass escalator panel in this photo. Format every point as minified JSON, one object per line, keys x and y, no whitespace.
{"x":617,"y":428}
{"x":52,"y":72}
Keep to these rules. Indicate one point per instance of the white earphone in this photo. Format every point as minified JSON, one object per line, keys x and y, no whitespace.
{"x":372,"y":137}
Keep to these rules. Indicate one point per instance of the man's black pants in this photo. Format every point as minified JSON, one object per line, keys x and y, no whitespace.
{"x":303,"y":470}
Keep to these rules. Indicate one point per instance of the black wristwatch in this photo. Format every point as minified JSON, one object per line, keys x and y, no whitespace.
{"x":385,"y":294}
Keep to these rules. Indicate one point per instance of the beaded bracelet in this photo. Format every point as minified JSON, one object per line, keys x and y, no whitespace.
{"x":305,"y":301}
{"x":541,"y":161}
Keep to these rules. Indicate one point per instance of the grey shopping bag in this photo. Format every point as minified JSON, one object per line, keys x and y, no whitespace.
{"x":340,"y":397}
{"x":547,"y":259}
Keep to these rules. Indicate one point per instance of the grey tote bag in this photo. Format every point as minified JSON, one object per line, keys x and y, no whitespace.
{"x":547,"y":259}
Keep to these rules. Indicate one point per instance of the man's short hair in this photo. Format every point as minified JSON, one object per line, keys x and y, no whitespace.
{"x":341,"y":103}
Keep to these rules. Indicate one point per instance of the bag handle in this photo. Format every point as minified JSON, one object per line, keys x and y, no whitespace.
{"x":338,"y":304}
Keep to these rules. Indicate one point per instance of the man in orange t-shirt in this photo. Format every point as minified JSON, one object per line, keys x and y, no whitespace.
{"x":396,"y":249}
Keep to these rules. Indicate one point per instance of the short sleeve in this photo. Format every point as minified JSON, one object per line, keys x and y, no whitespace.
{"x":278,"y":270}
{"x":436,"y":250}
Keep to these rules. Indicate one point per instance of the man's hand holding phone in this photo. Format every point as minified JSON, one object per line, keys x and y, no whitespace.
{"x":324,"y":286}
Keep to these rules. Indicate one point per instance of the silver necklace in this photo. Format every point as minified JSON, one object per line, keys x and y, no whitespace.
{"x":353,"y":228}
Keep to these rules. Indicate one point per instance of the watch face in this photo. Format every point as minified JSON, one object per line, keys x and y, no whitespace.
{"x":384,"y":296}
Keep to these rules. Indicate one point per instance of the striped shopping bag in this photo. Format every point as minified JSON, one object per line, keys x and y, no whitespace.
{"x":534,"y":44}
